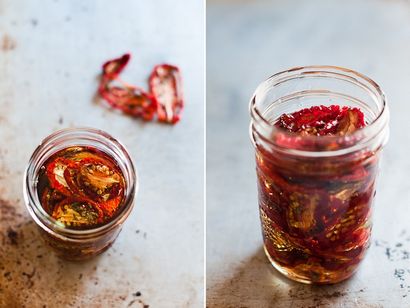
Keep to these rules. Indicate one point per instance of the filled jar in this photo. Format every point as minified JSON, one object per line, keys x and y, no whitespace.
{"x":318,"y":132}
{"x":79,"y":188}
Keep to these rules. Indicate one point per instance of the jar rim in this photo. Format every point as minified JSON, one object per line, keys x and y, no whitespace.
{"x":378,"y":124}
{"x":48,"y":223}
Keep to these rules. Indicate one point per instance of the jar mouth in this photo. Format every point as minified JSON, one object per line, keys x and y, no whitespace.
{"x":262,"y":127}
{"x":80,"y":136}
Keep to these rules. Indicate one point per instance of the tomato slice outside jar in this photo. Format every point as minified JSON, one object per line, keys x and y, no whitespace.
{"x":113,"y":68}
{"x":165,"y":85}
{"x":127,"y":98}
{"x":132,"y":101}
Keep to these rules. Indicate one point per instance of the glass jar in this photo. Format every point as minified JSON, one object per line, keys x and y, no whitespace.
{"x":316,"y":192}
{"x":74,"y":244}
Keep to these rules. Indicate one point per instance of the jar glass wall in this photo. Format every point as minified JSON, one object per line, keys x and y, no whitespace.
{"x":70,"y":243}
{"x":316,"y":192}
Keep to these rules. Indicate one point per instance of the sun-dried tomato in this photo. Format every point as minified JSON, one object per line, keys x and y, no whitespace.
{"x":315,"y":212}
{"x":113,"y":68}
{"x":111,"y":205}
{"x":78,"y":212}
{"x":323,"y":120}
{"x":55,"y":172}
{"x":50,"y":197}
{"x":127,"y":98}
{"x":81,"y":183}
{"x":87,"y":155}
{"x":166,"y":86}
{"x":164,"y":98}
{"x":94,"y":179}
{"x":132,"y":101}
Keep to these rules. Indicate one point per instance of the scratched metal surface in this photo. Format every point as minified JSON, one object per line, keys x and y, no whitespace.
{"x":50,"y":55}
{"x":247,"y":42}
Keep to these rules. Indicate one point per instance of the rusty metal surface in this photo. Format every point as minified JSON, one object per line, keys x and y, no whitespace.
{"x":50,"y":55}
{"x":246,"y":43}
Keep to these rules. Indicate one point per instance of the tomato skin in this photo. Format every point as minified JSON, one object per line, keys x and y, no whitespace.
{"x":112,"y":68}
{"x":71,"y":200}
{"x":165,"y":84}
{"x":323,"y":120}
{"x":76,"y":181}
{"x":315,"y":212}
{"x":110,"y":206}
{"x":81,"y":175}
{"x":130,"y":99}
{"x":49,"y":198}
{"x":52,"y":177}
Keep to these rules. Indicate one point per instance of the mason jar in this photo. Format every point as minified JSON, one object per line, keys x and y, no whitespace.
{"x":69,"y":243}
{"x":316,"y":192}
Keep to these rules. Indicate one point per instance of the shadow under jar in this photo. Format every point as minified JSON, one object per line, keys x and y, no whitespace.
{"x":316,"y":192}
{"x":79,"y":188}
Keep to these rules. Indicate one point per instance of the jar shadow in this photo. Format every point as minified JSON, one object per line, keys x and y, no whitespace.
{"x":32,"y":275}
{"x":255,"y":283}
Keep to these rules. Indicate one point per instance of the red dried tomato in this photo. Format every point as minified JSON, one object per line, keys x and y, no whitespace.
{"x":165,"y":97}
{"x":92,"y":178}
{"x":90,"y":155}
{"x":132,"y":101}
{"x":50,"y":197}
{"x":55,"y":172}
{"x":129,"y":99}
{"x":111,"y":205}
{"x":166,"y":86}
{"x":323,"y":120}
{"x":81,"y":183}
{"x":315,"y":212}
{"x":113,"y":68}
{"x":78,"y":212}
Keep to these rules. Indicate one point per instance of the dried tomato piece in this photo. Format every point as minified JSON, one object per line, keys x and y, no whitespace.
{"x":49,"y":198}
{"x":110,"y":206}
{"x":99,"y":181}
{"x":55,"y":173}
{"x":356,"y":214}
{"x":84,"y":154}
{"x":349,"y":121}
{"x":271,"y":200}
{"x":166,"y":85}
{"x":94,"y":178}
{"x":112,"y":68}
{"x":165,"y":97}
{"x":77,"y":212}
{"x":323,"y":120}
{"x":127,"y":98}
{"x":315,"y":213}
{"x":132,"y":101}
{"x":80,"y":184}
{"x":301,"y":211}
